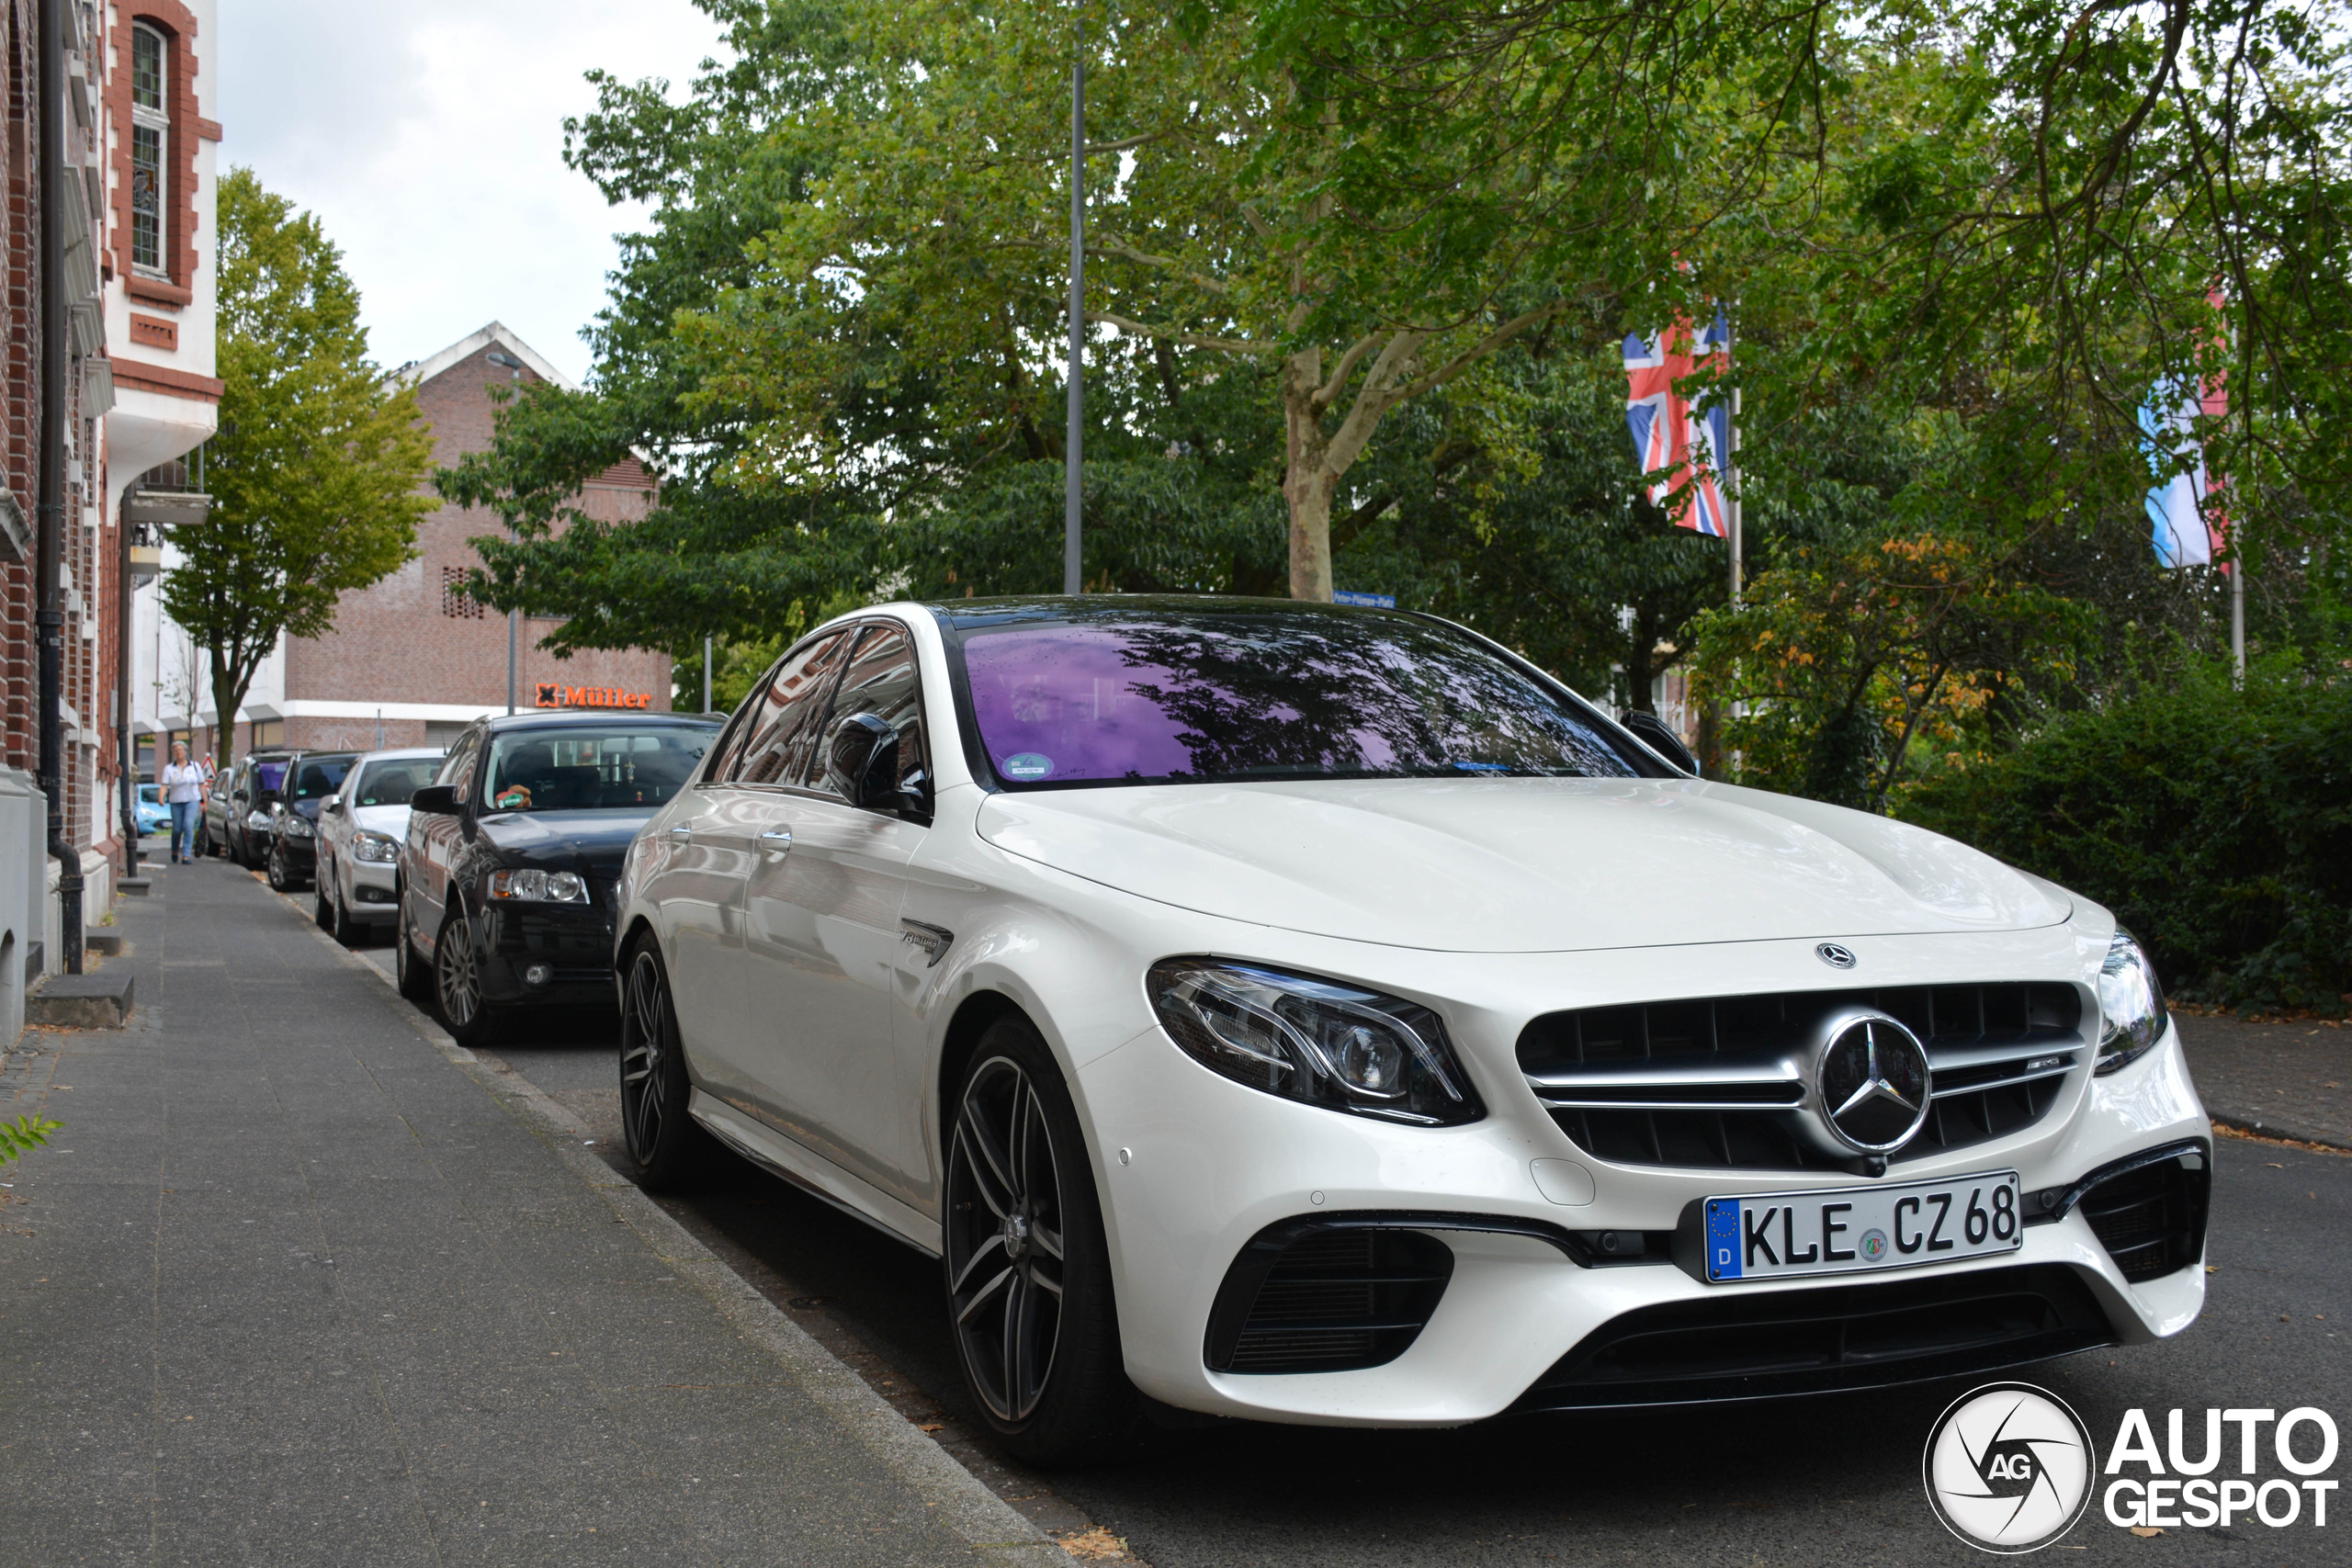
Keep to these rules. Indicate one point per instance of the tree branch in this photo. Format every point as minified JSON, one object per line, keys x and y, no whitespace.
{"x":1173,"y":334}
{"x":1331,"y":389}
{"x":1479,"y":350}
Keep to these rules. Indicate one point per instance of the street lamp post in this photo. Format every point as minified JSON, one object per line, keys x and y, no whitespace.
{"x":1073,"y":571}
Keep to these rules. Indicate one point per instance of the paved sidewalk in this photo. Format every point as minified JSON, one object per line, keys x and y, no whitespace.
{"x":2283,"y":1080}
{"x":300,"y":1285}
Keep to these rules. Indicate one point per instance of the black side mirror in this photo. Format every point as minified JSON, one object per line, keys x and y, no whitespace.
{"x":1652,"y":731}
{"x":862,"y":763}
{"x":437,"y":800}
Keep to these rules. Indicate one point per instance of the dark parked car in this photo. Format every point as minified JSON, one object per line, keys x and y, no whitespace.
{"x":236,"y":813}
{"x":312,"y":777}
{"x":512,"y":852}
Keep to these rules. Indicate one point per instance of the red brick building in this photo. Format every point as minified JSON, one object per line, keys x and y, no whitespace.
{"x":134,"y":142}
{"x":414,"y":659}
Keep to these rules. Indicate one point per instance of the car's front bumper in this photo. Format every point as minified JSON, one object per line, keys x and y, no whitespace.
{"x":572,"y":943}
{"x":1196,"y":1166}
{"x":373,"y":897}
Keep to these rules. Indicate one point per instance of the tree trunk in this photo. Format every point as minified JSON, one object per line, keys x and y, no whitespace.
{"x":1308,"y":480}
{"x":229,"y":688}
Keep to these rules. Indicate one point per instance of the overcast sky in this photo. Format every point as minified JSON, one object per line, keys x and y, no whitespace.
{"x":428,"y":137}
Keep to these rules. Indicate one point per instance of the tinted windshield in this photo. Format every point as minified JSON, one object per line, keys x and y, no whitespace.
{"x":1266,"y":692}
{"x":393,"y":781}
{"x":315,"y":778}
{"x":269,"y":775}
{"x":592,"y":768}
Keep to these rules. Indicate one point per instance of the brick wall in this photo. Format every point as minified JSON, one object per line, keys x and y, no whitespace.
{"x":400,"y":642}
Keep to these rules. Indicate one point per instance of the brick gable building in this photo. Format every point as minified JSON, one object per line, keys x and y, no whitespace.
{"x":413,"y":658}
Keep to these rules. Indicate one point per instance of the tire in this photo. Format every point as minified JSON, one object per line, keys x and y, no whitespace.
{"x":321,"y":911}
{"x":280,"y":879}
{"x":340,"y":924}
{"x":456,"y":985}
{"x":668,"y":1150}
{"x":415,"y":979}
{"x":1027,"y":1271}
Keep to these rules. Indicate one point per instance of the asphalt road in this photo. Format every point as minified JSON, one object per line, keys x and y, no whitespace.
{"x":1826,"y":1480}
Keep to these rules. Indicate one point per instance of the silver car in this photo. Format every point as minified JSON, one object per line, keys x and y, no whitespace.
{"x":360,"y":830}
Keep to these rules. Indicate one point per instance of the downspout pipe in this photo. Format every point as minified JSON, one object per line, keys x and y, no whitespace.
{"x":129,"y":753}
{"x":50,"y":618}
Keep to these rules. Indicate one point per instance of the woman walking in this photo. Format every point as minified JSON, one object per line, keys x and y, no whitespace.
{"x":183,"y":785}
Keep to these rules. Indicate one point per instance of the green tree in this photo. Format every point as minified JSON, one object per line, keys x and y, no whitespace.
{"x":315,"y":469}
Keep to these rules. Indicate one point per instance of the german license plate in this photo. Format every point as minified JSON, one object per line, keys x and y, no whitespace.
{"x":1862,"y":1230}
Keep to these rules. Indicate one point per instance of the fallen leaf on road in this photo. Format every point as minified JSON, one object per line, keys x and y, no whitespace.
{"x":929,"y":1426}
{"x":1097,"y":1545}
{"x":2145,"y":1530}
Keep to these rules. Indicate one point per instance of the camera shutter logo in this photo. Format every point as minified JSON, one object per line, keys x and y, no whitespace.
{"x":2009,"y":1468}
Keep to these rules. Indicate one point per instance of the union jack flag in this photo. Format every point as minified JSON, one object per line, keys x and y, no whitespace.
{"x":1688,"y":448}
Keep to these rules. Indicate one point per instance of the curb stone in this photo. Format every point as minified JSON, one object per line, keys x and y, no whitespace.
{"x":991,"y":1527}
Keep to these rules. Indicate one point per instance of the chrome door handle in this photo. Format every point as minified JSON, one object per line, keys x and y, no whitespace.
{"x":681,"y":834}
{"x":778,"y":838}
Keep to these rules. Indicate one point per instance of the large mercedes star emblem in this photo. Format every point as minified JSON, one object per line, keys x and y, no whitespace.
{"x":1874,"y":1082}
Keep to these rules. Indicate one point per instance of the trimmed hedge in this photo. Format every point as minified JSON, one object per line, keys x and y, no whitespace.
{"x":2216,"y":823}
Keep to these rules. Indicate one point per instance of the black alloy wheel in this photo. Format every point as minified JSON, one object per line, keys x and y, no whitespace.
{"x":457,"y":982}
{"x":416,"y":980}
{"x":1028,"y":1273}
{"x":668,"y":1149}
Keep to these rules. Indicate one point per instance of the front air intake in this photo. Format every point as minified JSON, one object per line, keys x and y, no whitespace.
{"x":1325,"y":1296}
{"x":2150,"y":1216}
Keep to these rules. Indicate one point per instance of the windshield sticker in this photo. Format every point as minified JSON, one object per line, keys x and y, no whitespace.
{"x":1027,"y":765}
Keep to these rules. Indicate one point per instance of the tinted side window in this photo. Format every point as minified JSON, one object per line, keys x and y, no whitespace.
{"x":739,"y":729}
{"x":880,"y":679}
{"x":782,"y":733}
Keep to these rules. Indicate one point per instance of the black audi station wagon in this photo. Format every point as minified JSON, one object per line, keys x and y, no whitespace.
{"x":512,"y":854}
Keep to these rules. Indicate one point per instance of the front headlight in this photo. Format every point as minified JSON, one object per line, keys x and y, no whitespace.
{"x":375,"y":847}
{"x":258,"y":822}
{"x":1319,"y":1040}
{"x":2130,"y":1004}
{"x":539,"y":886}
{"x":298,"y":827}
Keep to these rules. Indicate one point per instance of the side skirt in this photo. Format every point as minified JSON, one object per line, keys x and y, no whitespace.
{"x":812,"y":1173}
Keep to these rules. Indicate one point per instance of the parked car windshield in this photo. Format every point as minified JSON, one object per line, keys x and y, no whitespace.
{"x":1211,"y":693}
{"x":393,"y":781}
{"x":315,"y":778}
{"x":592,"y":768}
{"x":269,"y":776}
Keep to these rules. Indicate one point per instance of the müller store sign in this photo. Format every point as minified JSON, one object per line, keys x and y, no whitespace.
{"x":555,"y":694}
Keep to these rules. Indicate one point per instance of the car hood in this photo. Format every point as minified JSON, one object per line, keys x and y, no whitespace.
{"x":389,"y":820}
{"x":1520,"y":866}
{"x":563,"y":839}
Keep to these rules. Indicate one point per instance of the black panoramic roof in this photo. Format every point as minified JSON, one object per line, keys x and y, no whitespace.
{"x":562,"y":718}
{"x":968,"y":614}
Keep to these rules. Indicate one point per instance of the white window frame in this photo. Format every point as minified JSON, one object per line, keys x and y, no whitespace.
{"x":158,"y":120}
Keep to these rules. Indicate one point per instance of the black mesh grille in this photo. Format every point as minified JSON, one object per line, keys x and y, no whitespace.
{"x":1302,"y":1298}
{"x":1734,"y":1345}
{"x":2151,"y":1220}
{"x":2000,"y":1028}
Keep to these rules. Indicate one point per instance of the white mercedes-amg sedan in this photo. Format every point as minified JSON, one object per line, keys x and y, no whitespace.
{"x":1319,"y":1014}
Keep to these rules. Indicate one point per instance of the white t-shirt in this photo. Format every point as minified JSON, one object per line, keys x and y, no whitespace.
{"x":182,"y":781}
